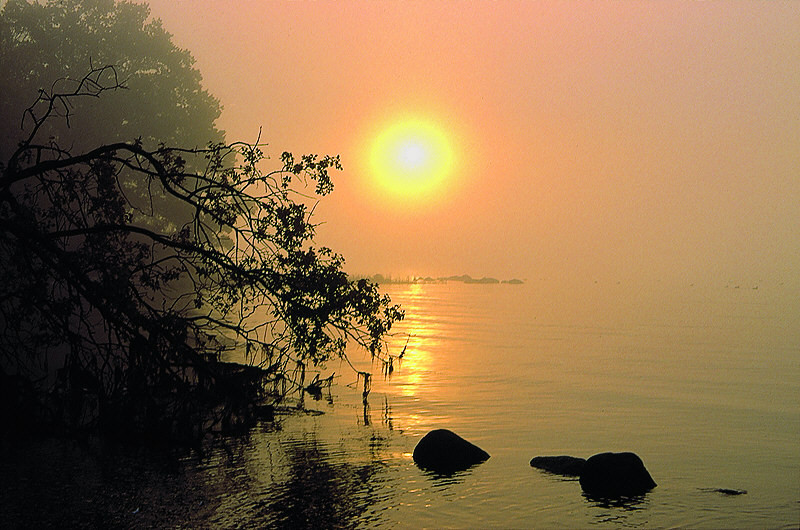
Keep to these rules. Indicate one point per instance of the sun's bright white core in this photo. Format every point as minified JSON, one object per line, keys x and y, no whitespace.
{"x":412,"y":155}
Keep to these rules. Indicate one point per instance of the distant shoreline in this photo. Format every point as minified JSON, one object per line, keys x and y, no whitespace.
{"x":464,"y":278}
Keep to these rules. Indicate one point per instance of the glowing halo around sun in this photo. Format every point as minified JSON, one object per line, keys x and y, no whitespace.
{"x":412,"y":159}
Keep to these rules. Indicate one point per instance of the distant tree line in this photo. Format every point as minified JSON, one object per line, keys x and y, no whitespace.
{"x":380,"y":279}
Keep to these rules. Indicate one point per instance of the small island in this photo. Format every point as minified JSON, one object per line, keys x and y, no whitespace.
{"x":380,"y":279}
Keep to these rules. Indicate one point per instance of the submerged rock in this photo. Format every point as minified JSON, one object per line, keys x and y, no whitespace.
{"x":725,"y":491}
{"x":444,"y":451}
{"x":568,"y":466}
{"x":615,"y":475}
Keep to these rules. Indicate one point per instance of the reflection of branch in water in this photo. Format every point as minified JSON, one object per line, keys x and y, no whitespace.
{"x":367,"y":421}
{"x":387,"y":414}
{"x":320,"y":491}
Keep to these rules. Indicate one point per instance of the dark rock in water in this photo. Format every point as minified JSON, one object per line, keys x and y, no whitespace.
{"x":615,"y":475}
{"x":568,"y":466}
{"x":725,"y":491}
{"x":445,"y":451}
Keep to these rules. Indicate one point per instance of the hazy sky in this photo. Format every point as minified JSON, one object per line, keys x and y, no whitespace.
{"x":603,"y":140}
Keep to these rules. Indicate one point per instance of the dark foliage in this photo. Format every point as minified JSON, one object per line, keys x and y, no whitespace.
{"x":134,"y":271}
{"x":42,"y":43}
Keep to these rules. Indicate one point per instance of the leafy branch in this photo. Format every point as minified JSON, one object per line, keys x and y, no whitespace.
{"x":144,"y":269}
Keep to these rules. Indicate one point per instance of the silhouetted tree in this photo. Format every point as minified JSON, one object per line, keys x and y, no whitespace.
{"x":44,"y":42}
{"x":133,"y":267}
{"x":140,"y":318}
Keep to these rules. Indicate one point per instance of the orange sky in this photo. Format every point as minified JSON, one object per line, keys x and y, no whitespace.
{"x":599,"y":140}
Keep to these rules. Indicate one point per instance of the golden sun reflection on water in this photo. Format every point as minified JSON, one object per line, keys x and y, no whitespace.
{"x":417,"y":338}
{"x":420,"y":390}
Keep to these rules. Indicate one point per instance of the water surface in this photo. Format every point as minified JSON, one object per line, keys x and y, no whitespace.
{"x":702,"y":382}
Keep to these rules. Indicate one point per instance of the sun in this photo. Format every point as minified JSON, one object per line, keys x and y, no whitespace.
{"x":412,"y":159}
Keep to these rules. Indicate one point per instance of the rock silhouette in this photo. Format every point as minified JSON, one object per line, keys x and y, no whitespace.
{"x":444,"y":451}
{"x":615,"y":475}
{"x":568,"y":466}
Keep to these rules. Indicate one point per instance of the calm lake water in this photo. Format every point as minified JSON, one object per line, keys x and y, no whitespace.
{"x":702,"y":382}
